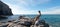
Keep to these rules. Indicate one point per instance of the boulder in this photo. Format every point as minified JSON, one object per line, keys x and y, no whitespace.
{"x":4,"y":25}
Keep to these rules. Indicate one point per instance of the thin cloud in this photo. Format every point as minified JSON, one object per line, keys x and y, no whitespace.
{"x":20,"y":9}
{"x":53,"y":10}
{"x":29,"y":2}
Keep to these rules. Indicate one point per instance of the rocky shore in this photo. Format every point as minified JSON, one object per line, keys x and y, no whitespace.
{"x":13,"y":23}
{"x":18,"y":23}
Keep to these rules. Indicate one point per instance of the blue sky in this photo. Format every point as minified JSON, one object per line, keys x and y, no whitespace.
{"x":32,"y":6}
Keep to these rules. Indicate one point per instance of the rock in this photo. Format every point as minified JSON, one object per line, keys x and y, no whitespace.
{"x":4,"y":25}
{"x":10,"y":21}
{"x":23,"y":23}
{"x":10,"y":24}
{"x":46,"y":25}
{"x":4,"y":9}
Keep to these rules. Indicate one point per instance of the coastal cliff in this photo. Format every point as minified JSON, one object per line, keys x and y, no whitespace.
{"x":4,"y":9}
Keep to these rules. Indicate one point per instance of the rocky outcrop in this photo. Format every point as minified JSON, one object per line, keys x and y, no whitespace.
{"x":4,"y":9}
{"x":24,"y":22}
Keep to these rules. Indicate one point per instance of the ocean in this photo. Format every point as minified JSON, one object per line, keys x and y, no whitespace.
{"x":52,"y":20}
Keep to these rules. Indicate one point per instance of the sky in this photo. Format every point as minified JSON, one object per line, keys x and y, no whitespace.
{"x":33,"y":6}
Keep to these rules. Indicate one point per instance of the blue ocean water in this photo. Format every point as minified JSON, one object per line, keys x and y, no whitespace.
{"x":52,"y":20}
